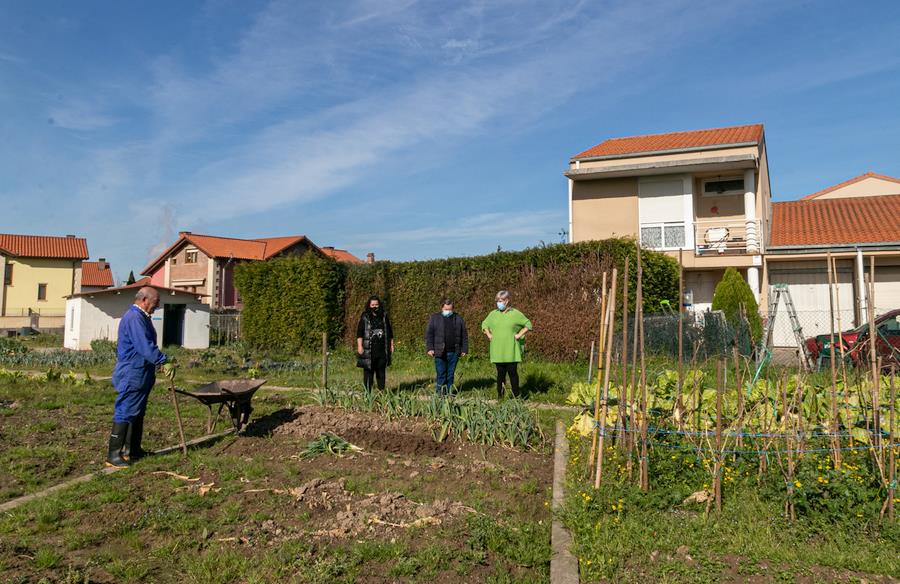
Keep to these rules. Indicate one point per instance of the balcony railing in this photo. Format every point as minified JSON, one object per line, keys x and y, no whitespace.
{"x":716,"y":237}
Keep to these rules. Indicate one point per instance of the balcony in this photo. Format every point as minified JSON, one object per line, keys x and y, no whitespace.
{"x":715,"y":237}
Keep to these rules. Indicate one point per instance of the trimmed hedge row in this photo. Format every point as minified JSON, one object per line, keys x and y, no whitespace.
{"x":556,"y":286}
{"x":288,"y":302}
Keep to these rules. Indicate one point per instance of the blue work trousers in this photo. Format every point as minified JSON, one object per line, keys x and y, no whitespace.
{"x":445,"y":367}
{"x":131,"y":402}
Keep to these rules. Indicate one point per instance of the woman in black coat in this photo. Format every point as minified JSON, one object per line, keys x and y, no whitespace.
{"x":374,"y":343}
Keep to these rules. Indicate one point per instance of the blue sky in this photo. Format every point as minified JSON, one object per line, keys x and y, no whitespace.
{"x":411,"y":129}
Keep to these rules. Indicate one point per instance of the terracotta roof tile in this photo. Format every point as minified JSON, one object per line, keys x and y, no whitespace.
{"x":44,"y":246}
{"x":341,"y":255}
{"x":96,"y":274}
{"x":227,"y":247}
{"x":675,"y":141}
{"x":846,"y":183}
{"x":836,"y":221}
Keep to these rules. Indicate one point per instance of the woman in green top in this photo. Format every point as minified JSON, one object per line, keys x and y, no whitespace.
{"x":505,"y":328}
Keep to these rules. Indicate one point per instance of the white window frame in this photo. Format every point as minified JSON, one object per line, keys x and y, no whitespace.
{"x":663,"y":225}
{"x":710,"y":179}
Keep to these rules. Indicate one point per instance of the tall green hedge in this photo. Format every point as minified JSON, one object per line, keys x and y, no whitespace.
{"x":556,"y":286}
{"x":289,"y":302}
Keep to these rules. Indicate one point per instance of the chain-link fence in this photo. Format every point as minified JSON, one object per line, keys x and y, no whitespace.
{"x":224,"y":328}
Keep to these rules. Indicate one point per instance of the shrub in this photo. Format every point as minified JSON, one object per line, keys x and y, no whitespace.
{"x":733,"y":295}
{"x":104,"y":347}
{"x":289,"y":302}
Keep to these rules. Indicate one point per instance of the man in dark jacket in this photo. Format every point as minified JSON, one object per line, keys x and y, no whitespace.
{"x":137,"y":357}
{"x":446,"y":340}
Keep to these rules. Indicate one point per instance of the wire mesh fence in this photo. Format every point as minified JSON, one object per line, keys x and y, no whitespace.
{"x":224,"y":328}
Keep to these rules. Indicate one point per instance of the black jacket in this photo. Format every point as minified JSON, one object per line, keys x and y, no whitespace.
{"x":368,"y":322}
{"x":434,"y":333}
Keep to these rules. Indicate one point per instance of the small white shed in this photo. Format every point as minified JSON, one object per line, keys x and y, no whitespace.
{"x":181,"y":319}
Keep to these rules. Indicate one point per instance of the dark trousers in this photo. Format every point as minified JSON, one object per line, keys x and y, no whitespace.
{"x":444,"y":368}
{"x":376,"y":373}
{"x":504,"y":369}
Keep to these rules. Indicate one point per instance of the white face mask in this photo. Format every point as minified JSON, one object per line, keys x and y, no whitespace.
{"x":501,"y":306}
{"x":447,"y":312}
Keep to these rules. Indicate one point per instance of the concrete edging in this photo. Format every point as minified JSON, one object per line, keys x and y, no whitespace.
{"x":13,"y":503}
{"x":563,"y":565}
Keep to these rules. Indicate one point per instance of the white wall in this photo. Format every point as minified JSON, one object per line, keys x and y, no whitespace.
{"x":98,"y":318}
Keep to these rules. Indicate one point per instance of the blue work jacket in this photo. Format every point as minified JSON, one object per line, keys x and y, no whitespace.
{"x":137,"y":355}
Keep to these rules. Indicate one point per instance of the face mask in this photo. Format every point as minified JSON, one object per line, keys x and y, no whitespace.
{"x":501,"y":306}
{"x":447,"y":312}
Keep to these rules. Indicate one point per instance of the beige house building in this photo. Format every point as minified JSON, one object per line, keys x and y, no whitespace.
{"x":701,"y":195}
{"x":705,"y":196}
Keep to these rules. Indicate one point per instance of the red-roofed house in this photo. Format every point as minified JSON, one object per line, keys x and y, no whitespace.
{"x":701,"y":194}
{"x":205,"y":263}
{"x":96,"y":276}
{"x":705,"y":195}
{"x":38,"y":272}
{"x":857,"y":222}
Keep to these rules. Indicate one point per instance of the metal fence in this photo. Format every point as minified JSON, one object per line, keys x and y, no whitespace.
{"x":224,"y":328}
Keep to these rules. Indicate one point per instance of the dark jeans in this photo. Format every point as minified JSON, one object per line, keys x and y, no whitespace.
{"x":445,"y":367}
{"x":376,"y":373}
{"x":504,"y":369}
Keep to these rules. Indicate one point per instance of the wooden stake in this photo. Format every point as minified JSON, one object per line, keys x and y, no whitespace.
{"x":680,"y":388}
{"x":892,"y":456}
{"x":837,"y":299}
{"x":591,"y":363}
{"x":325,"y":360}
{"x":717,"y":469}
{"x":178,"y":415}
{"x":632,"y":436}
{"x":835,"y":440}
{"x":621,"y":439}
{"x":873,"y":352}
{"x":611,"y":308}
{"x":602,"y":334}
{"x":645,"y":461}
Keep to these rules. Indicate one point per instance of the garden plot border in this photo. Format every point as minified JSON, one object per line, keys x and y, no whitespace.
{"x":563,"y":565}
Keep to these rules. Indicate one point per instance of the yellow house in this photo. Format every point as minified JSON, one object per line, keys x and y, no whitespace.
{"x":39,"y":272}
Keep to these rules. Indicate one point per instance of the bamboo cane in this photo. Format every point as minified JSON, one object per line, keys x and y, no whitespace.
{"x":837,"y":299}
{"x":621,"y":439}
{"x":717,"y":482}
{"x":892,"y":456}
{"x":599,"y":376}
{"x":739,"y":441}
{"x":835,"y":440}
{"x":591,"y":363}
{"x":611,"y":308}
{"x":325,"y":360}
{"x":632,"y":436}
{"x":680,"y":388}
{"x":645,"y":471}
{"x":873,"y":353}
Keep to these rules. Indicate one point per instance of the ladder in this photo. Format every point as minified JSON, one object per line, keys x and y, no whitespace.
{"x":780,"y":291}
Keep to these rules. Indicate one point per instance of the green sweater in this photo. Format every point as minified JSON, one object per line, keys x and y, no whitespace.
{"x":504,"y":326}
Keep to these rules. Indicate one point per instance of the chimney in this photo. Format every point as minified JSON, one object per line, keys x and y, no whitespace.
{"x":70,"y":235}
{"x":103,"y":264}
{"x":370,"y":257}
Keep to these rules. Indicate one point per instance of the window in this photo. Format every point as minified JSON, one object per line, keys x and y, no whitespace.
{"x":174,"y":261}
{"x":731,"y":185}
{"x":7,"y":278}
{"x":42,"y":292}
{"x":190,"y":257}
{"x":662,"y":235}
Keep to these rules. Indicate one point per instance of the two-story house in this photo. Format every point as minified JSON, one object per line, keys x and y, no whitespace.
{"x":38,"y":272}
{"x":96,"y":276}
{"x":204,"y":264}
{"x":702,"y":195}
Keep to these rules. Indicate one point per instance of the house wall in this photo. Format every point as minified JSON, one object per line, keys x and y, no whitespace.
{"x":604,"y":208}
{"x":193,"y":277}
{"x":158,"y":278}
{"x":868,"y":187}
{"x":63,"y":277}
{"x":98,"y":318}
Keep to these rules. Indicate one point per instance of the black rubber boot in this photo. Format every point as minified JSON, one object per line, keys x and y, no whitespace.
{"x":132,"y":449}
{"x":116,"y":442}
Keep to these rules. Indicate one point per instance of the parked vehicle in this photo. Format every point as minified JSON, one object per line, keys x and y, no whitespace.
{"x":856,"y":344}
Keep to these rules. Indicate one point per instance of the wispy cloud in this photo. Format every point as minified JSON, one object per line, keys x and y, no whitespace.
{"x":79,"y":116}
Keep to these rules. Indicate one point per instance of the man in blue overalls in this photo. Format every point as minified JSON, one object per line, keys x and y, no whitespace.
{"x":137,"y":357}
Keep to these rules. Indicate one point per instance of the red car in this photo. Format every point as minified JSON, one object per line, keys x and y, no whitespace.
{"x":856,"y":342}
